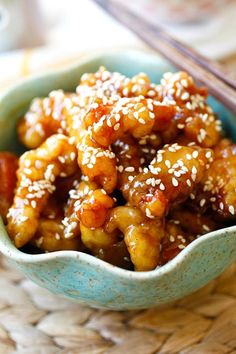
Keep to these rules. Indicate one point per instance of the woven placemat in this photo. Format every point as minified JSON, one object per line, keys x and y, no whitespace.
{"x":34,"y":321}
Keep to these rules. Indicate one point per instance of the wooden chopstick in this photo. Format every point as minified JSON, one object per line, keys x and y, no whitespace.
{"x":203,"y":70}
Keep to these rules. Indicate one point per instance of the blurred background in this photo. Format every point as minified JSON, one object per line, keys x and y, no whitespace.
{"x":39,"y":34}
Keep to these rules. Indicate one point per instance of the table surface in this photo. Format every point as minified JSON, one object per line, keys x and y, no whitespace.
{"x":34,"y":321}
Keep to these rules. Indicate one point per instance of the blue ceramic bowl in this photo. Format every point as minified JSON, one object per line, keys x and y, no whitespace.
{"x":85,"y":278}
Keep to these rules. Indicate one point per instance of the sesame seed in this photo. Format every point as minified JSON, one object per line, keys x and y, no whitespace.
{"x":202,"y":202}
{"x":129,"y":169}
{"x":33,"y":204}
{"x":162,"y":187}
{"x":72,"y":156}
{"x":151,"y":93}
{"x":231,"y":209}
{"x":120,"y":168}
{"x":175,"y":182}
{"x":117,"y":126}
{"x":188,"y":182}
{"x":57,"y":236}
{"x":148,"y":213}
{"x":208,"y":154}
{"x":205,"y":227}
{"x":184,"y":82}
{"x":185,"y":96}
{"x":125,"y":91}
{"x":167,"y":163}
{"x":141,"y":120}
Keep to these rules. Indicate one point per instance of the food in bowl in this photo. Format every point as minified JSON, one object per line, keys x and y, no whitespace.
{"x":124,"y":169}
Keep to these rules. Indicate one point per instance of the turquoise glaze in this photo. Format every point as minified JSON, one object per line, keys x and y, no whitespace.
{"x":83,"y":277}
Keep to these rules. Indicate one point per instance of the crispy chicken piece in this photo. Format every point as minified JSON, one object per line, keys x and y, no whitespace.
{"x":142,"y":236}
{"x":194,"y":117}
{"x":96,"y":162}
{"x":137,"y":117}
{"x":36,"y":175}
{"x":110,"y":84}
{"x":219,"y":184}
{"x":87,"y":205}
{"x":170,"y":178}
{"x":50,"y":237}
{"x":8,"y":167}
{"x":44,"y":118}
{"x":130,"y":160}
{"x":174,"y":241}
{"x":98,"y":238}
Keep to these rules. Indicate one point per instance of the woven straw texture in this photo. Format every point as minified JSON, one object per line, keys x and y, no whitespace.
{"x":34,"y":321}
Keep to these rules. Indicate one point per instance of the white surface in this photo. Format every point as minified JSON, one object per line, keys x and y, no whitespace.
{"x":90,"y":27}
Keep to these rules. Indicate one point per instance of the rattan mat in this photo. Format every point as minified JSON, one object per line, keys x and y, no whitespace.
{"x":34,"y":321}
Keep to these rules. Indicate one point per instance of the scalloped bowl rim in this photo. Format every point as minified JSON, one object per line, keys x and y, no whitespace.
{"x":20,"y":256}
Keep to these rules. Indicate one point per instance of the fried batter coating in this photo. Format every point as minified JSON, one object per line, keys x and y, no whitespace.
{"x":96,"y":162}
{"x":130,"y":161}
{"x":174,"y":241}
{"x":135,"y":116}
{"x":8,"y":167}
{"x":105,"y":83}
{"x":50,"y":237}
{"x":87,"y":205}
{"x":170,"y":178}
{"x":44,"y":118}
{"x":96,"y":239}
{"x":36,"y":175}
{"x":194,"y":117}
{"x":142,"y":236}
{"x":192,"y":222}
{"x":219,"y":183}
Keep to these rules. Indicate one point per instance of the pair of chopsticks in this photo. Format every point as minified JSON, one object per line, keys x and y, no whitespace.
{"x":206,"y":71}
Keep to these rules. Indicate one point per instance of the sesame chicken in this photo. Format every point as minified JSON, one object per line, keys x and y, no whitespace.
{"x":124,"y":169}
{"x":141,"y":235}
{"x":218,"y":186}
{"x":36,"y":175}
{"x":44,"y":118}
{"x":50,"y":237}
{"x":170,"y":178}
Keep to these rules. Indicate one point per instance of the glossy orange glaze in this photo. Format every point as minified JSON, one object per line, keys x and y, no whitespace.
{"x":8,"y":167}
